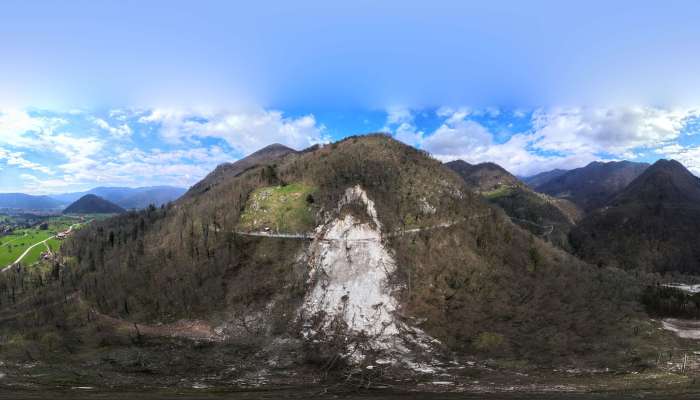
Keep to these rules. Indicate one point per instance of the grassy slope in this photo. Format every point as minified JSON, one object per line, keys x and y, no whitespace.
{"x":10,"y":252}
{"x":280,"y":208}
{"x":14,"y":245}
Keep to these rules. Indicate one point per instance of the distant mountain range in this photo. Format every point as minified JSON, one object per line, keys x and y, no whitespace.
{"x":543,"y":177}
{"x":127,"y":198}
{"x":592,"y":186}
{"x":28,"y":202}
{"x":91,"y":204}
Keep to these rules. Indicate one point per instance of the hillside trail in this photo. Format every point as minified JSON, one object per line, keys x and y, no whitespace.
{"x":397,"y":233}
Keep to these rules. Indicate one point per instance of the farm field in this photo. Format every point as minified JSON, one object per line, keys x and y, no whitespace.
{"x":14,"y":245}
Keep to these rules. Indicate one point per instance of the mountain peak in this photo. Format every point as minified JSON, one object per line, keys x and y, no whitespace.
{"x":668,"y":164}
{"x":266,"y":155}
{"x":594,"y":185}
{"x":666,"y":181}
{"x":483,"y":177}
{"x":274,"y":147}
{"x":93,"y":204}
{"x":458,"y":163}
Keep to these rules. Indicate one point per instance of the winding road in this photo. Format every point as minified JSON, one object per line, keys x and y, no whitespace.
{"x":311,"y":236}
{"x":33,"y":246}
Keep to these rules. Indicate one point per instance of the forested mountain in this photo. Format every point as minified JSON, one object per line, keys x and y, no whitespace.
{"x":266,"y":155}
{"x":595,"y":184}
{"x":543,"y":177}
{"x":386,"y":251}
{"x":545,"y":216}
{"x":484,"y":177}
{"x":28,"y":202}
{"x":91,"y":204}
{"x":653,"y":225}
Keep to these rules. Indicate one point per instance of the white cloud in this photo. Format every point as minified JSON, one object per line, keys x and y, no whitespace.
{"x":398,"y":115}
{"x":454,"y":115}
{"x":132,"y":167}
{"x":409,"y":134}
{"x":20,"y":129}
{"x":245,"y":132}
{"x":612,"y":130}
{"x":561,"y":138}
{"x":519,"y":113}
{"x":688,"y":156}
{"x":458,"y":136}
{"x":17,"y":159}
{"x":120,"y":131}
{"x":400,"y":122}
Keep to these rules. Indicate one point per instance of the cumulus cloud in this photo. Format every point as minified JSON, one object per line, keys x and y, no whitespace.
{"x":458,"y":136}
{"x":20,"y":128}
{"x":401,"y":122}
{"x":461,"y":138}
{"x":688,"y":156}
{"x":133,"y":167}
{"x":17,"y":159}
{"x":88,"y":158}
{"x":119,"y":131}
{"x":611,"y":130}
{"x":559,"y":138}
{"x":245,"y":131}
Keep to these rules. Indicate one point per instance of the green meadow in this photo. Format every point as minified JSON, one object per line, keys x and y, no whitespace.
{"x":14,"y":245}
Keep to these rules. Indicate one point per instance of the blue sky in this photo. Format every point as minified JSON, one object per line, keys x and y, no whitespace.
{"x":139,"y":93}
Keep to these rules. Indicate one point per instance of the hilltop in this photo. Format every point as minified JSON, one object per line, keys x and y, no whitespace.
{"x":91,"y":204}
{"x":652,"y":225}
{"x":484,"y":177}
{"x":263,"y":156}
{"x":545,"y":216}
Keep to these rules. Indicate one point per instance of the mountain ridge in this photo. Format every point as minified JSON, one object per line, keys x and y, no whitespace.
{"x":263,"y":156}
{"x":652,"y":225}
{"x":592,"y":186}
{"x":543,"y":177}
{"x":542,"y":215}
{"x":28,"y":202}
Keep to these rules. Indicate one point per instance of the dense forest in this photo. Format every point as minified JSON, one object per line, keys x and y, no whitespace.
{"x":482,"y":285}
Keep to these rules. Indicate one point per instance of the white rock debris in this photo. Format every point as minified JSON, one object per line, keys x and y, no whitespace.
{"x":350,"y":271}
{"x":426,"y":207}
{"x":349,"y":277}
